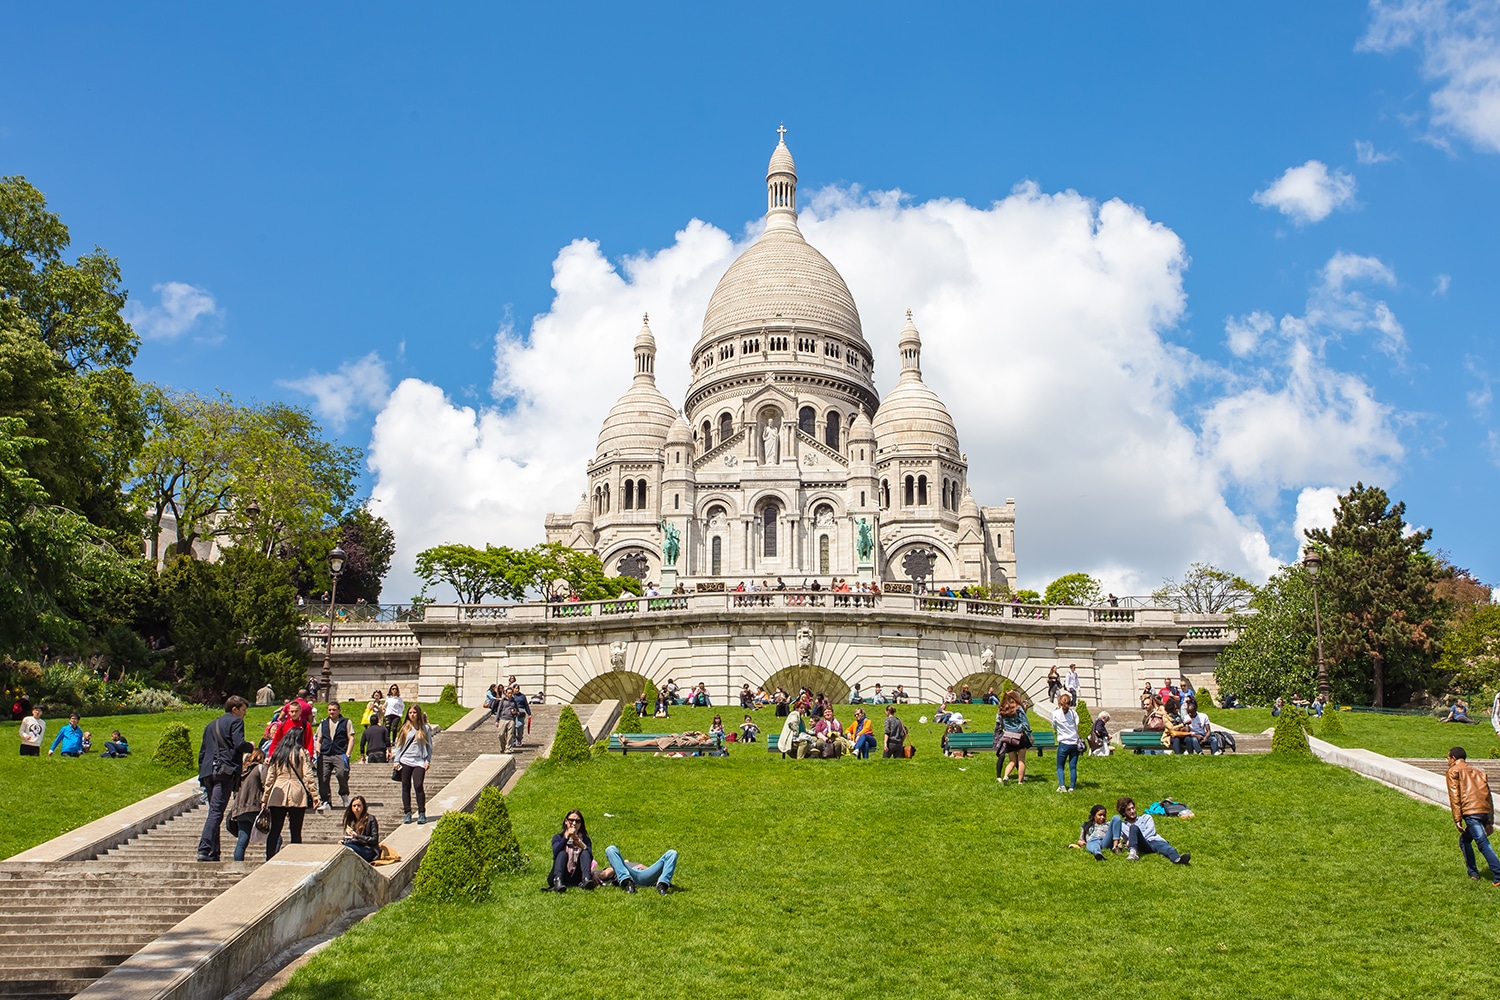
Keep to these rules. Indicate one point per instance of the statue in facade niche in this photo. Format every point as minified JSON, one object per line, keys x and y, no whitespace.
{"x":866,"y":542}
{"x":617,"y":656}
{"x":770,"y":440}
{"x":805,"y":646}
{"x":987,"y":660}
{"x":671,"y":544}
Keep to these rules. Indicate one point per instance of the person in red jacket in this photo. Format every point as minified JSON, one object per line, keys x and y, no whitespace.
{"x":296,"y":714}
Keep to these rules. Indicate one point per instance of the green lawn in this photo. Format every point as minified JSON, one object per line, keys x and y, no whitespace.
{"x":925,"y":878}
{"x":1392,"y":735}
{"x":52,"y":795}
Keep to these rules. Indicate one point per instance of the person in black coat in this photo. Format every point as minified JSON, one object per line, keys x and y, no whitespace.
{"x":219,"y":754}
{"x":572,"y":855}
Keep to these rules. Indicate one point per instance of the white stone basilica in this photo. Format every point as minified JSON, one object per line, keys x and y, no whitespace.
{"x":787,"y":462}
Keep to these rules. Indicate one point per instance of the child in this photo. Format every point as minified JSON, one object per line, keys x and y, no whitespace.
{"x":1094,"y":835}
{"x":748,"y":730}
{"x":116,"y":746}
{"x":716,"y":729}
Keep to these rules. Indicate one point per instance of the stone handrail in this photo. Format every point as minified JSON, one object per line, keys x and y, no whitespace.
{"x":822,"y":600}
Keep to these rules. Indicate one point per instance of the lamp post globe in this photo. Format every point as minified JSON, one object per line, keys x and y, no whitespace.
{"x":336,"y":560}
{"x":1312,"y":561}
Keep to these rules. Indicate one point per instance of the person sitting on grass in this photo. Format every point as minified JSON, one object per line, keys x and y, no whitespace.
{"x":795,"y":740}
{"x":748,"y":730}
{"x":116,"y":746}
{"x":628,"y":874}
{"x":1138,"y":833}
{"x":1094,"y":835}
{"x":641,"y":706}
{"x":572,"y":855}
{"x":1278,"y":708}
{"x":88,"y":741}
{"x":827,"y":732}
{"x":716,"y":729}
{"x":663,"y":704}
{"x":861,"y":733}
{"x":1459,"y":713}
{"x":361,"y":830}
{"x":1473,"y":812}
{"x":747,"y":697}
{"x":700,"y":696}
{"x":70,"y":737}
{"x":1098,"y":738}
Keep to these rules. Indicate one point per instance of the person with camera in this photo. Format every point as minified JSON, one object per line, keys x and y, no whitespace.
{"x":572,"y":855}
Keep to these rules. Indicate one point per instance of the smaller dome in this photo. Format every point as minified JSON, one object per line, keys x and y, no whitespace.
{"x":680,"y":432}
{"x":641,"y":418}
{"x":583,"y":514}
{"x":911,"y":418}
{"x":968,"y":507}
{"x":862,"y":430}
{"x":645,"y":339}
{"x":781,"y":160}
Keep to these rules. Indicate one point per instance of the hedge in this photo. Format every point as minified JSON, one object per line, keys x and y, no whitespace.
{"x":454,"y":865}
{"x":569,"y":745}
{"x":175,"y":748}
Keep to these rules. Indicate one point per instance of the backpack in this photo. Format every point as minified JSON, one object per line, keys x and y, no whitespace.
{"x":1226,"y":740}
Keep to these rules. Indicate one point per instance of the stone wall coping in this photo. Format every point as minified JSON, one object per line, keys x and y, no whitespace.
{"x":601,"y":721}
{"x":93,"y":839}
{"x":472,"y":721}
{"x":1419,"y":783}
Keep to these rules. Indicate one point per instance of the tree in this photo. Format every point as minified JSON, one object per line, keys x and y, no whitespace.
{"x":234,"y":624}
{"x":466,"y":569}
{"x":1382,"y":617}
{"x":1074,"y":588}
{"x":1471,"y":651}
{"x":512,"y":574}
{"x":1274,"y":653}
{"x":1205,"y":590}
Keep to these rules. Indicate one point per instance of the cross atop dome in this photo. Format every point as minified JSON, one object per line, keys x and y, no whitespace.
{"x":781,"y":131}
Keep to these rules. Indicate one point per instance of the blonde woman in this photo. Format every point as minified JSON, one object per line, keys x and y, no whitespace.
{"x":413,"y":756}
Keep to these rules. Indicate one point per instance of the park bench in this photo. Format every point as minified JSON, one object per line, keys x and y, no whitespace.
{"x":773,"y":744}
{"x":639,"y":742}
{"x":1141,"y":740}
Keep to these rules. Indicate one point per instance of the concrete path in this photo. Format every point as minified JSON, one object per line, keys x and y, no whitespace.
{"x":63,"y":925}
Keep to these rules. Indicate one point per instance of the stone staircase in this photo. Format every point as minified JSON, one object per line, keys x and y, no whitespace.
{"x":65,"y":924}
{"x":1439,"y":765}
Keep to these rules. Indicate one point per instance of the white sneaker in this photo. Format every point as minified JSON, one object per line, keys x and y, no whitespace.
{"x":1134,"y":855}
{"x":1060,"y":788}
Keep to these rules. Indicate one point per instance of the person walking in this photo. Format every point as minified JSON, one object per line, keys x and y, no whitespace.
{"x":219,"y":754}
{"x":412,"y":759}
{"x":33,"y":729}
{"x":1054,"y":683}
{"x":505,"y":720}
{"x":1071,"y":682}
{"x":1012,"y":738}
{"x":1473,"y":812}
{"x":1065,"y":725}
{"x":246,"y":806}
{"x":523,"y":713}
{"x":288,"y":793}
{"x":334,"y":738}
{"x":395,"y":711}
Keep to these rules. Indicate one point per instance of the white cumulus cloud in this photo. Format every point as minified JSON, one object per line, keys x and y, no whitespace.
{"x":179,"y":308}
{"x":1315,"y":507}
{"x":1043,"y":319}
{"x":1460,"y":49}
{"x":358,"y":386}
{"x":1308,"y":193}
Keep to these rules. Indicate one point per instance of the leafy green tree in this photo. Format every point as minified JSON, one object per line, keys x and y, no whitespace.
{"x":1382,"y":617}
{"x":584,"y":572}
{"x":513,"y":574}
{"x":1471,"y":651}
{"x":234,"y":625}
{"x":1073,"y":588}
{"x":469,"y":571}
{"x":1205,"y":590}
{"x":1274,"y":653}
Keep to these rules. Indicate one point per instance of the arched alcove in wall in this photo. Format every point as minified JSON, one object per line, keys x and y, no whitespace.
{"x":622,"y":685}
{"x":814,"y":678}
{"x":981,"y":682}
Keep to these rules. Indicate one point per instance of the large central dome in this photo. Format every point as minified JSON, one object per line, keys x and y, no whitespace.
{"x":782,"y":281}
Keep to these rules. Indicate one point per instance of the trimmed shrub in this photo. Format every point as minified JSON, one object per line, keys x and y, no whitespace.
{"x":175,"y":749}
{"x":569,"y":746}
{"x":449,"y":695}
{"x":1290,"y":736}
{"x":1495,"y":751}
{"x":454,"y":865}
{"x":497,"y":838}
{"x":1205,"y":698}
{"x":1085,"y":721}
{"x":153,"y":700}
{"x":651,"y":695}
{"x":1331,"y":724}
{"x":629,"y":722}
{"x":600,"y":747}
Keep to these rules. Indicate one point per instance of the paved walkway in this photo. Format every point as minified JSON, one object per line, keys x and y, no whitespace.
{"x":65,"y":924}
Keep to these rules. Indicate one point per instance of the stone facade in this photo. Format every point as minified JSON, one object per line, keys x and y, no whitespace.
{"x":784,"y":461}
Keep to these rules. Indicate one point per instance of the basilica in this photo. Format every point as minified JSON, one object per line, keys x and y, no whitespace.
{"x":784,"y":461}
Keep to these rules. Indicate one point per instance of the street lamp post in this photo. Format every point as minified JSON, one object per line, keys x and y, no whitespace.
{"x":1314,"y":562}
{"x":335,"y":568}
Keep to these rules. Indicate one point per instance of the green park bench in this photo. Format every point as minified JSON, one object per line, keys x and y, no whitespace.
{"x":616,"y":744}
{"x":1141,"y":739}
{"x":982,"y":742}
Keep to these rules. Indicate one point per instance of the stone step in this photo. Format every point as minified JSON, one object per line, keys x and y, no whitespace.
{"x":57,"y":971}
{"x":97,"y":951}
{"x":45,"y":987}
{"x":1439,"y":765}
{"x":165,"y":902}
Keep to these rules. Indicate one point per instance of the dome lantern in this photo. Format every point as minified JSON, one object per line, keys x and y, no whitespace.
{"x":645,"y":350}
{"x":781,"y":186}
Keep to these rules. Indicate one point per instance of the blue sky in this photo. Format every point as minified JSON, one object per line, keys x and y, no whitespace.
{"x":369,"y":195}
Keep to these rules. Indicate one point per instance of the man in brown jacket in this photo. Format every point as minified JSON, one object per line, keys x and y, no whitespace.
{"x":1473,"y":812}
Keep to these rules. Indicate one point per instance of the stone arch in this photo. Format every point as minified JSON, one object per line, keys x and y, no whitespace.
{"x":944,"y":564}
{"x":726,"y":426}
{"x":807,"y":420}
{"x":817,"y":678}
{"x":981,"y":682}
{"x":648,"y":562}
{"x":624,"y":686}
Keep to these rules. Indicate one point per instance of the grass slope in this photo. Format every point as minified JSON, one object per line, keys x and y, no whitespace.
{"x":1391,"y":735}
{"x":925,"y":878}
{"x":53,"y":795}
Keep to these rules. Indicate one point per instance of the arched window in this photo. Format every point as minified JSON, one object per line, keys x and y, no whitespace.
{"x":640,"y":494}
{"x":831,"y":429}
{"x":885,"y":494}
{"x":921,"y":491}
{"x":629,"y":494}
{"x":910,"y":496}
{"x":606,"y":498}
{"x":823,"y":554}
{"x":769,"y":516}
{"x":726,"y":427}
{"x":807,"y":419}
{"x":597,"y":494}
{"x":718,"y":556}
{"x":946,"y":494}
{"x":708,"y":435}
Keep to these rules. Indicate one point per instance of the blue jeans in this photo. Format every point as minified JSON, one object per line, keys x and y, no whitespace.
{"x":660,"y":871}
{"x":1186,"y":744}
{"x":1097,"y":846}
{"x":864,"y":745}
{"x":219,"y":791}
{"x":1068,"y":753}
{"x":1155,"y":845}
{"x":1473,"y":833}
